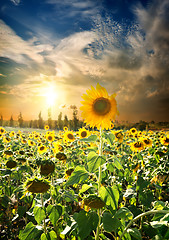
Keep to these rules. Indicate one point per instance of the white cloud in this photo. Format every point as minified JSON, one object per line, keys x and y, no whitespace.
{"x":16,"y":2}
{"x":15,"y":48}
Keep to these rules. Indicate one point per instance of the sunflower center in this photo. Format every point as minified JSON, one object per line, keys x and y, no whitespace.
{"x":146,"y":141}
{"x":137,"y":145}
{"x":42,"y":148}
{"x":102,"y":106}
{"x":70,"y":136}
{"x":167,"y":140}
{"x":84,"y":134}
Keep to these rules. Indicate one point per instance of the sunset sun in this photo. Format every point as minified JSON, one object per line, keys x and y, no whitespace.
{"x":51,"y":96}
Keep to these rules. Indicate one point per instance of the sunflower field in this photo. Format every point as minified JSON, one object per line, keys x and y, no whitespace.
{"x":84,"y":185}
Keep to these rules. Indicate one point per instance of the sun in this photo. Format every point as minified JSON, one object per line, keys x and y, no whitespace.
{"x":51,"y":96}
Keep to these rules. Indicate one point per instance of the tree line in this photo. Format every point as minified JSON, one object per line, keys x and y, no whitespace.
{"x":58,"y":124}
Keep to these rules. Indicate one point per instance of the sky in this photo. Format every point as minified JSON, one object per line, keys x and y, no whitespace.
{"x":52,"y":51}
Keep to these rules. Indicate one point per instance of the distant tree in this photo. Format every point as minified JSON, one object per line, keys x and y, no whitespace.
{"x":11,"y":121}
{"x":20,"y":120}
{"x":31,"y":123}
{"x":35,"y":124}
{"x":65,"y":121}
{"x":40,"y":121}
{"x":60,"y":122}
{"x":75,"y":119}
{"x":1,"y":120}
{"x":49,"y":118}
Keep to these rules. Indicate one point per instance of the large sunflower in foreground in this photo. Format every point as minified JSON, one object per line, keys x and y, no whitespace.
{"x":99,"y":109}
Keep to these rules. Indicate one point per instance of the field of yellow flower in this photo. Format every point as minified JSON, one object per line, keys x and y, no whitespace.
{"x":50,"y":190}
{"x":84,"y":185}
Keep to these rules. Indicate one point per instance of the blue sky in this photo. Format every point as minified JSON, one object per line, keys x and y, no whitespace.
{"x":61,"y":48}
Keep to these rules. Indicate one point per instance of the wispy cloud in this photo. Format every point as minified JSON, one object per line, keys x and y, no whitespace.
{"x":16,"y":2}
{"x":14,"y":47}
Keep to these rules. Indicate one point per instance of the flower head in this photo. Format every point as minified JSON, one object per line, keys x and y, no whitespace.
{"x":99,"y":109}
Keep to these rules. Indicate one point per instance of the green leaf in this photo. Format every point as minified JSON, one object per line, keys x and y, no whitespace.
{"x":110,"y":138}
{"x":117,"y":163}
{"x":141,"y":184}
{"x":86,"y":223}
{"x":84,"y":188}
{"x":110,"y":223}
{"x":158,"y":205}
{"x":21,"y":211}
{"x":124,"y":213}
{"x":49,"y":236}
{"x":30,"y":232}
{"x":157,"y":224}
{"x":135,"y":233}
{"x":39,"y":214}
{"x":94,"y":161}
{"x":110,"y":195}
{"x":91,"y":138}
{"x":54,"y":212}
{"x":79,"y":175}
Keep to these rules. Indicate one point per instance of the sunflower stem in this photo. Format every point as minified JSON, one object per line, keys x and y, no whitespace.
{"x":44,"y":223}
{"x":99,"y":184}
{"x":141,"y":216}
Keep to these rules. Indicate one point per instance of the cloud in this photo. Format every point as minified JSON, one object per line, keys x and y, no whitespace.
{"x":81,"y":9}
{"x":15,"y":48}
{"x":16,"y":2}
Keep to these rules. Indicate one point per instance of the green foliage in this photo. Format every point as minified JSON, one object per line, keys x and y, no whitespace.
{"x":79,"y":175}
{"x":86,"y":223}
{"x":110,"y":195}
{"x":94,"y":161}
{"x":111,"y":188}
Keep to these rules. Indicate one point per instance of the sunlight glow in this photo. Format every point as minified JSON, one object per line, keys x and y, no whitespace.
{"x":51,"y":96}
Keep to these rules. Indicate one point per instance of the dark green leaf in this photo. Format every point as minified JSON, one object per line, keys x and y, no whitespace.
{"x":86,"y":223}
{"x":110,"y":223}
{"x":79,"y":175}
{"x":135,"y":233}
{"x":30,"y":232}
{"x":124,"y":213}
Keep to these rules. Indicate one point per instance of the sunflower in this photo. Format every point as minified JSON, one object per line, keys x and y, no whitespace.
{"x":12,"y":134}
{"x":6,"y":139}
{"x":2,"y":130}
{"x":65,"y":128}
{"x":8,"y":153}
{"x":137,"y":146}
{"x":147,"y":142}
{"x":23,"y":140}
{"x":50,"y":137}
{"x":93,"y":201}
{"x":42,"y":149}
{"x":133,"y":131}
{"x":57,"y":147}
{"x":11,"y":163}
{"x":31,"y":143}
{"x":37,"y":185}
{"x":99,"y":109}
{"x":68,"y":136}
{"x":68,"y":172}
{"x":46,"y":127}
{"x":47,"y":167}
{"x":165,"y":140}
{"x":83,"y":133}
{"x":61,"y":156}
{"x":119,"y":136}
